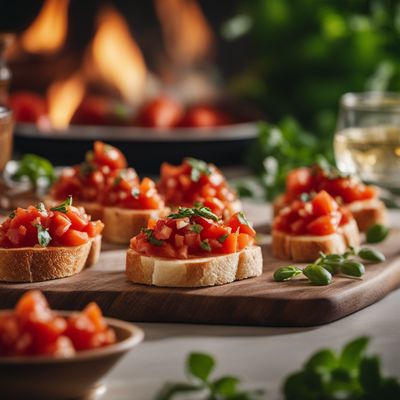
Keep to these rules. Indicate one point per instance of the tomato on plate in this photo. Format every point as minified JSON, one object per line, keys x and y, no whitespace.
{"x":161,"y":112}
{"x":27,"y":106}
{"x":107,"y":155}
{"x":203,"y":116}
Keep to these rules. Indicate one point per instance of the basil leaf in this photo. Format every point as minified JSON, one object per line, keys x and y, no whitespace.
{"x":226,"y":386}
{"x":317,"y":274}
{"x":377,"y":233}
{"x":370,"y":375}
{"x":222,"y":238}
{"x":324,"y":359}
{"x":171,"y":389}
{"x":242,"y":219}
{"x":199,"y":168}
{"x":40,"y":206}
{"x":150,"y":237}
{"x":204,"y":212}
{"x":371,"y":255}
{"x":36,"y":170}
{"x":200,"y":365}
{"x":205,"y":245}
{"x":197,"y":228}
{"x":43,"y":235}
{"x":12,"y":215}
{"x":286,"y":273}
{"x":63,"y":207}
{"x":353,"y":352}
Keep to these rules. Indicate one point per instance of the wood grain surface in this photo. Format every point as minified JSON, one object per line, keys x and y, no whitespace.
{"x":258,"y":301}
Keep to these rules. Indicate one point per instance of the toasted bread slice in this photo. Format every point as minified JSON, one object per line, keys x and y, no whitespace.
{"x":366,"y":212}
{"x":121,"y":224}
{"x":307,"y":248}
{"x":36,"y":264}
{"x":194,"y":272}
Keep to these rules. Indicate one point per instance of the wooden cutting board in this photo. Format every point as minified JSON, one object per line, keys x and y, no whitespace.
{"x":257,"y":301}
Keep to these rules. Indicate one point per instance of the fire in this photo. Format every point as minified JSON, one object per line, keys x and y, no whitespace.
{"x":116,"y":58}
{"x":49,"y":30}
{"x":189,"y":38}
{"x":64,"y":98}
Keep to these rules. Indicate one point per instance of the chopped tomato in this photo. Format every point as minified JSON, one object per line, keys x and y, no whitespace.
{"x":195,"y":181}
{"x":205,"y":117}
{"x":298,"y":181}
{"x":27,"y":106}
{"x":196,"y":233}
{"x":39,"y":226}
{"x":105,"y":154}
{"x":319,"y":216}
{"x":33,"y":329}
{"x":162,"y":112}
{"x":238,"y":223}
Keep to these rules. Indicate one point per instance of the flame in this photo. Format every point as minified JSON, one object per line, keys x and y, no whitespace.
{"x":64,"y":98}
{"x":116,"y":57}
{"x":48,"y":31}
{"x":188,"y":36}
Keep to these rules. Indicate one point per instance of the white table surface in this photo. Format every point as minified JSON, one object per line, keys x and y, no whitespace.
{"x":262,"y":357}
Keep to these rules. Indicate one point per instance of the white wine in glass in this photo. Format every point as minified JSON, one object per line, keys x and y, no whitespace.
{"x":367,"y":140}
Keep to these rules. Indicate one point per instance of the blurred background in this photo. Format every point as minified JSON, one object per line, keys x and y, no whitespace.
{"x":94,"y":70}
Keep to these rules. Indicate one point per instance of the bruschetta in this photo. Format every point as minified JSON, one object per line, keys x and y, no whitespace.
{"x":362,"y":200}
{"x":110,"y":191}
{"x":305,"y":228}
{"x":193,"y":247}
{"x":39,"y":243}
{"x":197,"y":182}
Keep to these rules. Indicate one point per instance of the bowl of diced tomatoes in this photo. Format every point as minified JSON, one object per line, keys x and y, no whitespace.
{"x":46,"y":354}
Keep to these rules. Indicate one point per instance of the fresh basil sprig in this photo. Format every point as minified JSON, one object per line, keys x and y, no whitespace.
{"x":204,"y":212}
{"x":349,"y":374}
{"x":150,"y":237}
{"x":63,"y":207}
{"x":199,"y":168}
{"x":199,"y":367}
{"x":37,"y":170}
{"x":322,"y":270}
{"x":43,"y":235}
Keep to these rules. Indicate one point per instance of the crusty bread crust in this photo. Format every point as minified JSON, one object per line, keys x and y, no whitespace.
{"x":307,"y":248}
{"x":366,"y":212}
{"x":121,"y":224}
{"x":36,"y":264}
{"x":194,"y":272}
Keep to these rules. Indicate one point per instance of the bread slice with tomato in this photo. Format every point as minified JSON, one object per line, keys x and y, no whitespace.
{"x":304,"y":229}
{"x":39,"y":243}
{"x":197,"y":182}
{"x":361,"y":200}
{"x":194,"y":248}
{"x":110,"y":191}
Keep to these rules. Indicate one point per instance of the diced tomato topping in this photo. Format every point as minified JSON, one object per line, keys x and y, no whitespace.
{"x":238,"y":223}
{"x":33,"y":329}
{"x":315,"y":179}
{"x":195,"y":181}
{"x":205,"y":117}
{"x":40,"y":226}
{"x":320,"y":216}
{"x":197,"y":233}
{"x":110,"y":156}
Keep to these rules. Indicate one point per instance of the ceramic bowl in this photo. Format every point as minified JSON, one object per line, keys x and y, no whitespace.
{"x":58,"y":378}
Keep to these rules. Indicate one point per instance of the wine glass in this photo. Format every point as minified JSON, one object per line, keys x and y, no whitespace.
{"x":367,"y":139}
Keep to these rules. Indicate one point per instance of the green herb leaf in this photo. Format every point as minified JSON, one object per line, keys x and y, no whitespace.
{"x":226,"y":386}
{"x":197,"y":228}
{"x":317,"y":274}
{"x":171,"y":389}
{"x":63,"y":207}
{"x":200,"y":365}
{"x":371,"y":255}
{"x":150,"y":237}
{"x":204,"y":212}
{"x":40,"y":206}
{"x":352,"y":268}
{"x":135,"y":193}
{"x":286,"y":273}
{"x":86,"y":168}
{"x":377,"y":233}
{"x":12,"y":215}
{"x":242,"y":219}
{"x":324,"y":359}
{"x":222,"y":238}
{"x":370,"y":374}
{"x":199,"y":168}
{"x":36,"y":170}
{"x":43,"y":235}
{"x":205,"y":245}
{"x":353,"y":352}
